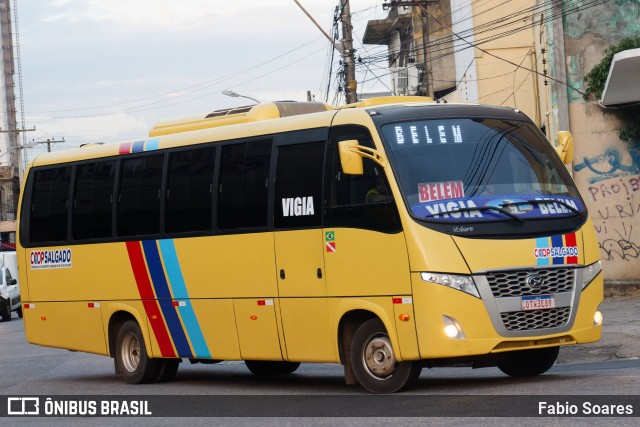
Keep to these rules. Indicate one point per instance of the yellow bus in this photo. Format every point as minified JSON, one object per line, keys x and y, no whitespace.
{"x":385,"y":236}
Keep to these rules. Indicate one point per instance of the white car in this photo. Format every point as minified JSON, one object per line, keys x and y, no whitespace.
{"x":9,"y":286}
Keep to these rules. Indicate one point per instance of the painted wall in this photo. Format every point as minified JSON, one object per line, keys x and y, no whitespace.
{"x":484,"y":75}
{"x":606,"y":169}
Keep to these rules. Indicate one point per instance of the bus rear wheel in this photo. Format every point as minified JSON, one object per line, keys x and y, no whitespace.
{"x":131,"y":358}
{"x":529,"y":363}
{"x":168,"y":369}
{"x":263,"y":368}
{"x":374,"y":361}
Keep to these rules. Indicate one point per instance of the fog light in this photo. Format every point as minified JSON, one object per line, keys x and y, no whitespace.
{"x":451,"y":331}
{"x":452,"y":328}
{"x":597,"y":318}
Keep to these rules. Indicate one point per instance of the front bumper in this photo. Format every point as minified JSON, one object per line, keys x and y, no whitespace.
{"x":484,"y":331}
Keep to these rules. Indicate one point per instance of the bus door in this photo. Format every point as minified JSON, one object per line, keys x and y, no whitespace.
{"x":366,"y":254}
{"x":299,"y":246}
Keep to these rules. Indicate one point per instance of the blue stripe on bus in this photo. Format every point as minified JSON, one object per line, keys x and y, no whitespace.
{"x":557,"y":242}
{"x":152,"y":144}
{"x":179,"y":289}
{"x":164,"y":298}
{"x":137,"y":147}
{"x":542,"y":242}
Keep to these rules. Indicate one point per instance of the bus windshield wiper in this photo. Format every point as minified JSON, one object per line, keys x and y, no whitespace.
{"x":540,"y":202}
{"x":480,"y":208}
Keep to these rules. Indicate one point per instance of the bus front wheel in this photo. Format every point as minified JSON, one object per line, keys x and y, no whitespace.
{"x":529,"y":363}
{"x":132,"y":360}
{"x":374,"y":361}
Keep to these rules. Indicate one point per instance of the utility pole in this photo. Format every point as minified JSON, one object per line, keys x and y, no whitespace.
{"x":350,"y":83}
{"x":347,"y":50}
{"x":427,"y":87}
{"x":10,"y":183}
{"x":49,"y":142}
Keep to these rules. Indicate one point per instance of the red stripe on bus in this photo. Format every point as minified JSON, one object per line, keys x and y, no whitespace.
{"x":125,"y":148}
{"x":570,"y":241}
{"x":148,"y":299}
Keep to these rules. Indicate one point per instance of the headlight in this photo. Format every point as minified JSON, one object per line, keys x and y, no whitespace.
{"x":590,"y":272}
{"x":461,"y":283}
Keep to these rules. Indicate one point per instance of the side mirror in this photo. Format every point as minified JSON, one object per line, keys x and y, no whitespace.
{"x":349,"y":158}
{"x":12,"y":282}
{"x":351,"y":154}
{"x":565,"y":147}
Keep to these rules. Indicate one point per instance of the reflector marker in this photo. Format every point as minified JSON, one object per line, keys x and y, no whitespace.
{"x":29,"y":305}
{"x":405,"y":300}
{"x":93,"y":305}
{"x":179,"y":303}
{"x":265,"y":302}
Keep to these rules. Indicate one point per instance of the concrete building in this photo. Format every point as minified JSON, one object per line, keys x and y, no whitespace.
{"x":407,"y":32}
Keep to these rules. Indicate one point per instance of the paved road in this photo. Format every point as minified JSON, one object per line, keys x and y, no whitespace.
{"x":32,"y":370}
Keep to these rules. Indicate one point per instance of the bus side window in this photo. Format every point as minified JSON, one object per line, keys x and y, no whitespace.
{"x":189,"y":190}
{"x":50,"y":203}
{"x":93,"y":200}
{"x":298,"y":185}
{"x":139,"y":195}
{"x":244,"y":185}
{"x":362,"y":201}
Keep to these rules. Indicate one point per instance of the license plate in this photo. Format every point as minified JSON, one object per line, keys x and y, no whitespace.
{"x":540,"y":302}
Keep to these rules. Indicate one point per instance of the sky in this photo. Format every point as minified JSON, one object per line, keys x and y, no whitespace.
{"x":108,"y":70}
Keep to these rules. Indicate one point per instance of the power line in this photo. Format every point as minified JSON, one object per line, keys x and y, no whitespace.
{"x":503,"y":59}
{"x":181,"y":92}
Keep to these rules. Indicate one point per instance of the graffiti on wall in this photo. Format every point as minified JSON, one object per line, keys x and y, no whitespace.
{"x":617,"y":208}
{"x":610,"y":165}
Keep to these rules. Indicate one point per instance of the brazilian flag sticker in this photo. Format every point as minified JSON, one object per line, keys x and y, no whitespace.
{"x":329,"y":236}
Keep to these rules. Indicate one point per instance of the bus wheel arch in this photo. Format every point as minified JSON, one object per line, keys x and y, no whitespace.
{"x":374,"y":362}
{"x":115,"y":323}
{"x":349,"y":322}
{"x":131,"y":358}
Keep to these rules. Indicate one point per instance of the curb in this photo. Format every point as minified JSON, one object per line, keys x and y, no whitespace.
{"x":621,"y":288}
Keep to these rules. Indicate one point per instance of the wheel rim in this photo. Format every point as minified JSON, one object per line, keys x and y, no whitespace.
{"x":130,"y":352}
{"x":378,"y":357}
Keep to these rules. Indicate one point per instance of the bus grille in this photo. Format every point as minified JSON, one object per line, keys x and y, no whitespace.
{"x":536,"y":319}
{"x":514,"y":283}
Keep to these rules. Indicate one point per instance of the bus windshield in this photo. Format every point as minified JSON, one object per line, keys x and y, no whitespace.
{"x":480,"y":170}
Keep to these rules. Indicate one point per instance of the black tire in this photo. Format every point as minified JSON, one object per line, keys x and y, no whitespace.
{"x":19,"y":311}
{"x":374,"y":362}
{"x":131,"y":358}
{"x":263,"y":368}
{"x":529,"y":363}
{"x":5,"y":310}
{"x":168,"y":369}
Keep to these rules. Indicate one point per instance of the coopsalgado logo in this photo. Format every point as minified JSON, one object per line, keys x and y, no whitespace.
{"x":47,"y":259}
